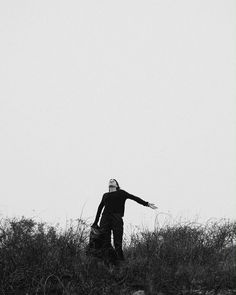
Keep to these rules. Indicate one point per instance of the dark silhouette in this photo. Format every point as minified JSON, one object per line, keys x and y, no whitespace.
{"x":97,"y":247}
{"x":113,"y":203}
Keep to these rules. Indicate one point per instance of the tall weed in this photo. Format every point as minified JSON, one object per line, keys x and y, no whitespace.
{"x":36,"y":258}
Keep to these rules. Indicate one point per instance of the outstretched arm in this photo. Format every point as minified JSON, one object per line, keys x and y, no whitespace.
{"x":136,"y":199}
{"x":141,"y":201}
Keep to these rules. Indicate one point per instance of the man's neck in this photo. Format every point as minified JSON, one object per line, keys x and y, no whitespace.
{"x":112,"y":189}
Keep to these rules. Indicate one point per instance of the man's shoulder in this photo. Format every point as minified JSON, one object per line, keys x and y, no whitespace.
{"x":123,"y":192}
{"x":120,"y":192}
{"x":104,"y":196}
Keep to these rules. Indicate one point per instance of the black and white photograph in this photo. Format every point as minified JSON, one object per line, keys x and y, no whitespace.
{"x":117,"y":147}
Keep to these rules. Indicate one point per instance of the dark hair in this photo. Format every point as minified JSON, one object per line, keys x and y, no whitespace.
{"x":118,"y":187}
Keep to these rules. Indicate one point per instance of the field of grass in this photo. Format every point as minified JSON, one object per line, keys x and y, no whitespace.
{"x":185,"y":258}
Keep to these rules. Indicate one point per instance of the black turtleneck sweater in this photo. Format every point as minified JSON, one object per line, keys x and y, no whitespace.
{"x":114,"y":202}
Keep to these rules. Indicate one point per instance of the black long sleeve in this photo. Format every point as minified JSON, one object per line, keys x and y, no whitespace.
{"x":137,"y":199}
{"x":100,"y":207}
{"x":114,"y":202}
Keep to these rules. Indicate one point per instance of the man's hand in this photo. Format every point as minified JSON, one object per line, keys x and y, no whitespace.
{"x":94,"y":225}
{"x":152,"y":206}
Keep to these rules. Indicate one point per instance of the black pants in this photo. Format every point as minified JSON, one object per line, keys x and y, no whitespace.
{"x":113,"y":222}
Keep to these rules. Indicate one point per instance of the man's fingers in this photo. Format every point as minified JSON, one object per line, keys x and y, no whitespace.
{"x":153,"y":206}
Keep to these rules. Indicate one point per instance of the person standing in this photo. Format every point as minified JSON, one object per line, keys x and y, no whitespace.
{"x":113,"y":203}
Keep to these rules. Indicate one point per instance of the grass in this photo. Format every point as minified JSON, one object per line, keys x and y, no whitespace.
{"x":185,"y":258}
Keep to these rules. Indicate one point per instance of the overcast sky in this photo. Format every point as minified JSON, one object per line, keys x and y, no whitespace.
{"x":140,"y":91}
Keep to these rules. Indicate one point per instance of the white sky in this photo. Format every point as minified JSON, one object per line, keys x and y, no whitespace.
{"x":140,"y":91}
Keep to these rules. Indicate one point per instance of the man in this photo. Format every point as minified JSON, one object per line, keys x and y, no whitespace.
{"x":113,"y":203}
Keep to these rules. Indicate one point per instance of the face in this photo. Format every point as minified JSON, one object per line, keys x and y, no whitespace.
{"x":112,"y":183}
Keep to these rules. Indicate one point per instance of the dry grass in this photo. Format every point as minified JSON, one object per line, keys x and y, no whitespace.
{"x":185,"y":258}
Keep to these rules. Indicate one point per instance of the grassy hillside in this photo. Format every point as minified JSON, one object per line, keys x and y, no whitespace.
{"x":180,"y":259}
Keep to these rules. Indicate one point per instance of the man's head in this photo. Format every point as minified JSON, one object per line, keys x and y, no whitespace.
{"x":113,"y":185}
